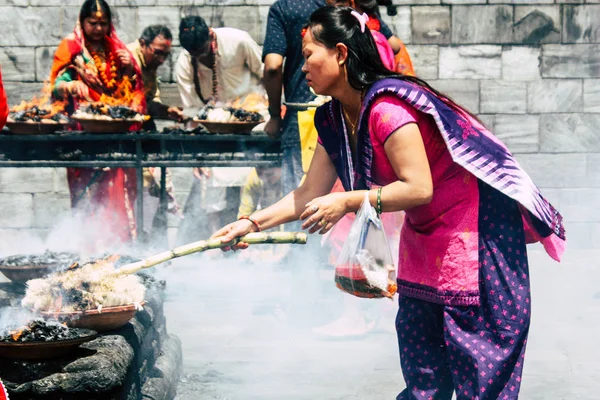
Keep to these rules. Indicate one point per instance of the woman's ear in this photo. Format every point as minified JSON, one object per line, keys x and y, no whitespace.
{"x":342,"y":53}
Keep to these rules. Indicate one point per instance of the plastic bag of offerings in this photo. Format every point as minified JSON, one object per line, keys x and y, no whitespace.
{"x":365,"y":267}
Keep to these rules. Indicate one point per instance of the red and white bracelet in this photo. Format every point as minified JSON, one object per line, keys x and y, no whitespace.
{"x":256,"y":224}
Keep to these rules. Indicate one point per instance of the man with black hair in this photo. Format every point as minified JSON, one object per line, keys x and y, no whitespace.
{"x":217,"y":63}
{"x":220,"y":64}
{"x":150,"y":51}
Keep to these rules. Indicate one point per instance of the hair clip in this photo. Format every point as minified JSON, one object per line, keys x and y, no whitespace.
{"x":361,"y":18}
{"x":303,"y":32}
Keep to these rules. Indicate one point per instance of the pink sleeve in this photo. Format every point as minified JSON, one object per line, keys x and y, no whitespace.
{"x":388,"y":114}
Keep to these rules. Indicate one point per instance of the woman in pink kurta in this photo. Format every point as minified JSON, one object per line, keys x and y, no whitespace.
{"x":463,"y":275}
{"x":438,"y":246}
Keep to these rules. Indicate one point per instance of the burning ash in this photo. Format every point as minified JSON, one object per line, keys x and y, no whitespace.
{"x":91,"y":286}
{"x":120,"y":103}
{"x":249,"y":108}
{"x":102,"y":111}
{"x":39,"y":330}
{"x":228,"y":114}
{"x":40,"y":109}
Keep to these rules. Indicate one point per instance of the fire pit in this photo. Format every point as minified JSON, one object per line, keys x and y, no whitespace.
{"x":138,"y":360}
{"x":42,"y":340}
{"x":90,"y":286}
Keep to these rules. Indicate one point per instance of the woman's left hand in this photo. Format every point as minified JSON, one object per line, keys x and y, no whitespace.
{"x":324,"y":212}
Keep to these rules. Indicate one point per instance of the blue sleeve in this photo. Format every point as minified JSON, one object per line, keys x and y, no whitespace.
{"x":385,"y":30}
{"x":275,"y":38}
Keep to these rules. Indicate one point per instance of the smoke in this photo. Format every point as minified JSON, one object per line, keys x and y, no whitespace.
{"x":12,"y":318}
{"x":250,"y":324}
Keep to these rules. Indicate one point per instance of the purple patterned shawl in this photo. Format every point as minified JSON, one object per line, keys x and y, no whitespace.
{"x":477,"y":150}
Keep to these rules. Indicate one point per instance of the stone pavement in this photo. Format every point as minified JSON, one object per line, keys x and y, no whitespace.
{"x":236,"y":347}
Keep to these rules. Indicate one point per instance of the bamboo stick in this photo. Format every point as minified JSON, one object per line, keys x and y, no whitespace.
{"x":203,"y":245}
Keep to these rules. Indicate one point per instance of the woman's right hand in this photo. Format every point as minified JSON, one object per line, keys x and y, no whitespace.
{"x":92,"y":79}
{"x":78,"y":89}
{"x":234,"y":230}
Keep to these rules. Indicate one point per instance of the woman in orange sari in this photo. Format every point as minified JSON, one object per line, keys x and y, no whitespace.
{"x":93,"y":64}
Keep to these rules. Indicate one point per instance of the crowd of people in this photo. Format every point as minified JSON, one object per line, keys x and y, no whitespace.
{"x":464,"y":209}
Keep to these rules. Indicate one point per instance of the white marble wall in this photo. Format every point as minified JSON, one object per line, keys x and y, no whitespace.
{"x":529,"y":68}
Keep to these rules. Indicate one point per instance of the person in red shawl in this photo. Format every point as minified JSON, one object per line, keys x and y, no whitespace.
{"x":3,"y":104}
{"x":93,"y":64}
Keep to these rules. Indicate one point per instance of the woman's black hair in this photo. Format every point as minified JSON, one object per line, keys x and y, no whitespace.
{"x":193,"y":33}
{"x":333,"y":25}
{"x":90,"y":7}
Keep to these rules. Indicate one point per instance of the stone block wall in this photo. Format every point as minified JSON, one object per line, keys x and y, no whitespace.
{"x":529,"y":68}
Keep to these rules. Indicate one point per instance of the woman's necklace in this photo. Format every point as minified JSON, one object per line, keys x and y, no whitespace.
{"x":107,"y":68}
{"x":352,"y":138}
{"x":352,"y":123}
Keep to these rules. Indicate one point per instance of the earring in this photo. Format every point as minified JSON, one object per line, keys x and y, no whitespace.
{"x":341,"y":62}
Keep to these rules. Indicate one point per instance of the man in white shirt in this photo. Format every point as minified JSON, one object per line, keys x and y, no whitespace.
{"x":220,"y":64}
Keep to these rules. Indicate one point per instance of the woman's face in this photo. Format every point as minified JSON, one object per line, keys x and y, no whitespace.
{"x":95,"y":28}
{"x":321,"y":65}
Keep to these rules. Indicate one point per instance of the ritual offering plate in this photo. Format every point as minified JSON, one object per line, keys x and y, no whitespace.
{"x":100,"y":320}
{"x":228,"y":119}
{"x":42,"y":340}
{"x":36,"y":118}
{"x":43,"y":127}
{"x":106,"y":126}
{"x":21,"y":268}
{"x":102,"y":118}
